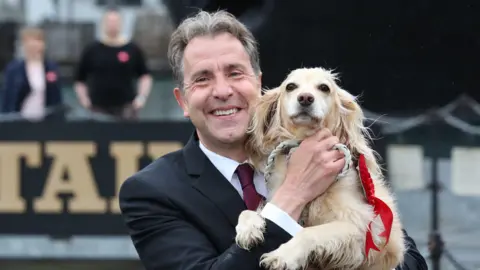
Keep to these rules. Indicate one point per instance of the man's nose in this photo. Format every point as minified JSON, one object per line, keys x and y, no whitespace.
{"x":222,"y":89}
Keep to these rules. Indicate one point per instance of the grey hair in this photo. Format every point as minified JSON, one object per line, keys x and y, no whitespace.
{"x":209,"y":24}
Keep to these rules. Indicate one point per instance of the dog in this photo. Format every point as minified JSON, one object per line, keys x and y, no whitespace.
{"x":337,"y":223}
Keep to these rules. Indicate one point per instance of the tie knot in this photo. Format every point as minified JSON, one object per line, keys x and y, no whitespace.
{"x":245,"y":174}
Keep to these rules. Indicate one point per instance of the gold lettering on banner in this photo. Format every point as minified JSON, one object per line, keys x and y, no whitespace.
{"x":11,"y":200}
{"x":127,"y":156}
{"x":158,"y":149}
{"x":71,"y":158}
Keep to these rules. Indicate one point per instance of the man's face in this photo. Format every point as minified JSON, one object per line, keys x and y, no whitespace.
{"x":221,"y":89}
{"x":112,"y":23}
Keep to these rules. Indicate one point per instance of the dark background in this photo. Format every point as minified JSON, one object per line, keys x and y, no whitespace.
{"x":403,"y":56}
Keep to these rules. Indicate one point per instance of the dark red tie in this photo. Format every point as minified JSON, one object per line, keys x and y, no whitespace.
{"x":250,"y":195}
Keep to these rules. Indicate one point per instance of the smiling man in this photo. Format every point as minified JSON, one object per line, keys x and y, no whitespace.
{"x":182,"y":209}
{"x":220,"y":113}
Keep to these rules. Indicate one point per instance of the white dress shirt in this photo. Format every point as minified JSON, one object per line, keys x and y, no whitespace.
{"x":227,"y":168}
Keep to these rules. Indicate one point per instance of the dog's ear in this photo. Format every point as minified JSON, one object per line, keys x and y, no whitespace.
{"x":353,"y":132}
{"x":264,"y":112}
{"x":262,"y":120}
{"x":349,"y":121}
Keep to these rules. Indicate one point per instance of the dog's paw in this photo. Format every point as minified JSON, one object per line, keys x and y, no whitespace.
{"x":250,"y":229}
{"x":287,"y":257}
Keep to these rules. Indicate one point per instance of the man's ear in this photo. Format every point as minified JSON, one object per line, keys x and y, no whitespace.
{"x":260,"y":80}
{"x":180,"y":97}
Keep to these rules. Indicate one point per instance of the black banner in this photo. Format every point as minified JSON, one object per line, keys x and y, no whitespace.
{"x":62,"y":179}
{"x":400,"y":56}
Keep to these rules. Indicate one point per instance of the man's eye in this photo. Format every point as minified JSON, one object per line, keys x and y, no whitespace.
{"x":235,"y":74}
{"x":202,"y":79}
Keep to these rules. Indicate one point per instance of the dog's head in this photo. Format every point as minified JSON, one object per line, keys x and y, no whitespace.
{"x":306,"y":101}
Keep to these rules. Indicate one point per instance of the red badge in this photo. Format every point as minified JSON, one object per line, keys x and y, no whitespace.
{"x":123,"y":57}
{"x":51,"y":76}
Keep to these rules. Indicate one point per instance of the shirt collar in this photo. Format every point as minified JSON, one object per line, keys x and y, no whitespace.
{"x":226,"y":166}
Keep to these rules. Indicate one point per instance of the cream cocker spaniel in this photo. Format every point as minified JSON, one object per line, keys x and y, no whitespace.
{"x":355,"y":223}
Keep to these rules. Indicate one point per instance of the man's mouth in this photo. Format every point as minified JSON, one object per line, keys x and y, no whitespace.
{"x":225,"y":112}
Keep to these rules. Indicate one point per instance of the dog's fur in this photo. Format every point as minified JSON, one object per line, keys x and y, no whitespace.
{"x":336,"y":222}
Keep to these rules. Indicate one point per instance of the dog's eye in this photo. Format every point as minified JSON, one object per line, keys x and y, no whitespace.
{"x":324,"y":88}
{"x":291,"y":87}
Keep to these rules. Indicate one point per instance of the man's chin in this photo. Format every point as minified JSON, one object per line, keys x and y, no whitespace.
{"x":227,"y":134}
{"x":231,"y":138}
{"x":230,"y":135}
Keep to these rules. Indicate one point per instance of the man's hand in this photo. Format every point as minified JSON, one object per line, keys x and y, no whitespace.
{"x":312,"y":168}
{"x":85,"y":102}
{"x":82,"y":95}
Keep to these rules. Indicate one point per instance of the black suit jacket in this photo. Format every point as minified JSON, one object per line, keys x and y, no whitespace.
{"x":181,"y":214}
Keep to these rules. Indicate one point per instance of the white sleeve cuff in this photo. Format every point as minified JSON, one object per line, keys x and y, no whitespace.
{"x":282,"y":219}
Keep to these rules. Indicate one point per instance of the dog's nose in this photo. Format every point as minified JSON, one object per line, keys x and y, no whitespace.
{"x":305,"y":99}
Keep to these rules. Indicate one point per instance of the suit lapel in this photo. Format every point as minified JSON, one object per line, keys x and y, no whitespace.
{"x":211,"y":183}
{"x":24,"y":74}
{"x":46,"y":69}
{"x":24,"y":87}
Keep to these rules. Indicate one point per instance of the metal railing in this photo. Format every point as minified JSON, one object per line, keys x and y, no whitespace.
{"x":61,"y":113}
{"x":396,"y":127}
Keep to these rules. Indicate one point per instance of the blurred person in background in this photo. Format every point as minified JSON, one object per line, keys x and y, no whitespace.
{"x":107,"y":71}
{"x":31,"y":83}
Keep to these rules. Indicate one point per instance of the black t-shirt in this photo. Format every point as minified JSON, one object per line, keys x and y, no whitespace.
{"x":111,"y":72}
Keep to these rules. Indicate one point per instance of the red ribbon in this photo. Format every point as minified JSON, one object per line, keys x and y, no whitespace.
{"x":380,"y":208}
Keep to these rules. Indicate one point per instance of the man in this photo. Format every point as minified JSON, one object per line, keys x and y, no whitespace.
{"x":107,"y":70}
{"x":182,"y":209}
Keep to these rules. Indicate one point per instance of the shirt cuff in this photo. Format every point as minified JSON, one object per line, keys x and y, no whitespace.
{"x":282,"y":219}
